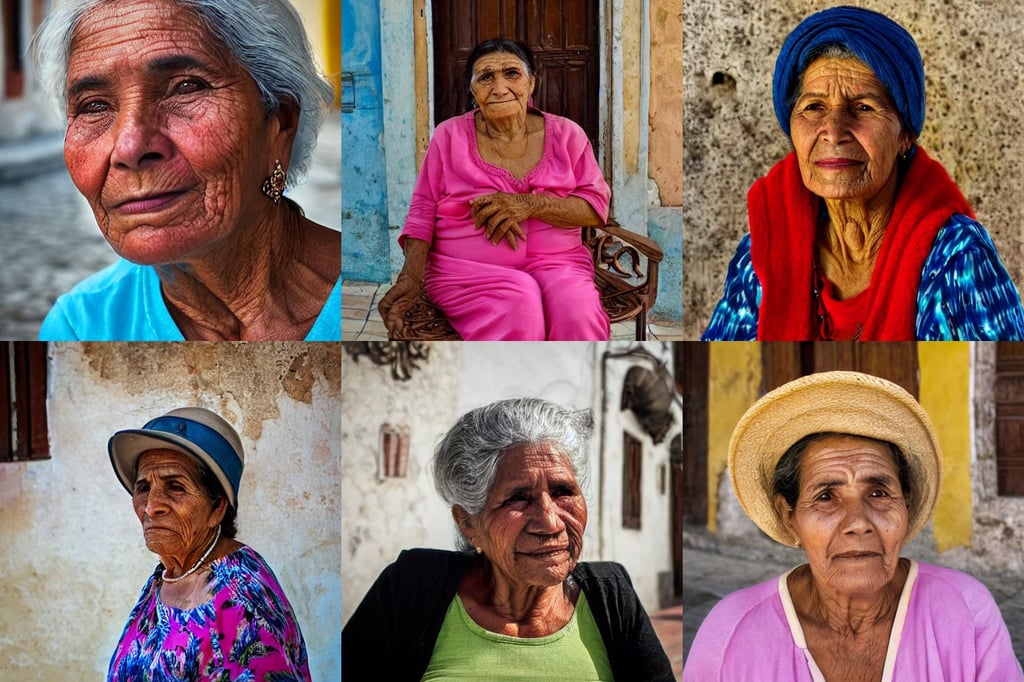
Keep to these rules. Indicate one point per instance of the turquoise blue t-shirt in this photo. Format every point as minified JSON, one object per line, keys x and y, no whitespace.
{"x":123,"y":302}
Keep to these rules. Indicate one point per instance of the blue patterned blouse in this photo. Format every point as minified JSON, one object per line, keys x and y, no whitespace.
{"x":965,"y":294}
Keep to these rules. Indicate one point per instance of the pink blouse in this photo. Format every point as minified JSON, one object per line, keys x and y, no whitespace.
{"x":947,"y":628}
{"x":453,"y":174}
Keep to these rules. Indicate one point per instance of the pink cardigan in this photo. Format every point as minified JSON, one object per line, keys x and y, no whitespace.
{"x":948,"y":628}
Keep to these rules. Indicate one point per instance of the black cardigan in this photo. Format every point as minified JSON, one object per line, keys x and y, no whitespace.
{"x":392,"y":633}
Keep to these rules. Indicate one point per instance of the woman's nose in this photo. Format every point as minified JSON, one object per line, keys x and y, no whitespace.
{"x":155,"y":504}
{"x":855,"y":519}
{"x":138,"y":139}
{"x":546,"y":519}
{"x":835,"y":125}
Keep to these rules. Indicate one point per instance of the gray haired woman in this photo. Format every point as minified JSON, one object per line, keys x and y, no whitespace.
{"x":515,"y":602}
{"x":186,"y":121}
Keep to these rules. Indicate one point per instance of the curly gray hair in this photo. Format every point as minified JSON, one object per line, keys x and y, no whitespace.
{"x":266,"y":38}
{"x":466,"y":460}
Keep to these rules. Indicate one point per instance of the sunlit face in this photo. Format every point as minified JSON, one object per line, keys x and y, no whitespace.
{"x":167,"y":137}
{"x":176,"y":513}
{"x":846,"y":131}
{"x":501,"y":85}
{"x":851,"y":516}
{"x":531,"y":528}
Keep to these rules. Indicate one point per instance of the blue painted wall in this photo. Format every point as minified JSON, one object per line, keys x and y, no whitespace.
{"x":665,"y":226}
{"x":364,"y":224}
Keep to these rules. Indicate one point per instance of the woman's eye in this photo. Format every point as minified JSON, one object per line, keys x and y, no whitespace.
{"x":93,"y":106}
{"x":189,"y":86}
{"x":486,"y":78}
{"x":864,"y":108}
{"x":879,"y":493}
{"x":512,"y":74}
{"x":824,"y":497}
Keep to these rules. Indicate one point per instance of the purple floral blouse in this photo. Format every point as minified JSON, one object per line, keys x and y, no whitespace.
{"x":246,"y":631}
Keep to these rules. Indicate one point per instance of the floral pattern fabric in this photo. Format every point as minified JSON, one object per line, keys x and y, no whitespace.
{"x":245,"y":632}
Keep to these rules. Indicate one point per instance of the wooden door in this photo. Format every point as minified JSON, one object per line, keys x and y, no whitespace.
{"x":692,"y":368}
{"x":895,"y":361}
{"x":14,"y":67}
{"x":563,"y":35}
{"x":1009,"y":396}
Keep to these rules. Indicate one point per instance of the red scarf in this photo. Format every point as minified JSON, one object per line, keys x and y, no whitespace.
{"x":783,"y":220}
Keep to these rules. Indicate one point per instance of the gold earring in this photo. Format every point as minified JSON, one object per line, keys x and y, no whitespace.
{"x":275,"y":185}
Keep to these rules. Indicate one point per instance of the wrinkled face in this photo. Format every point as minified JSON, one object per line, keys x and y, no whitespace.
{"x":846,"y":131}
{"x":531,"y":528}
{"x":167,"y":138}
{"x":176,"y":513}
{"x":501,"y":85}
{"x":851,"y":516}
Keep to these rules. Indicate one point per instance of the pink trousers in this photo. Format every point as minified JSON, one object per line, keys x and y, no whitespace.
{"x":549,"y":298}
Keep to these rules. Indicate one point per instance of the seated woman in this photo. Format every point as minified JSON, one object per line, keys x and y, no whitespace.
{"x":858,"y":233}
{"x":493,"y":232}
{"x":847,"y":467}
{"x":515,"y":602}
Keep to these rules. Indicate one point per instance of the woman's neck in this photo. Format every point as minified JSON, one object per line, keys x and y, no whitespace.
{"x":268,"y":281}
{"x":499,"y":604}
{"x":843,"y":614}
{"x":849,"y":241}
{"x":504,"y":129}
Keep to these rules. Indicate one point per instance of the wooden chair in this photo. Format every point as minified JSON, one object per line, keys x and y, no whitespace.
{"x":627,"y":291}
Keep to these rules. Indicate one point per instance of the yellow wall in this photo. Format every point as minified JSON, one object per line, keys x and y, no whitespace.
{"x":734,"y":383}
{"x":734,"y":379}
{"x":945,"y":396}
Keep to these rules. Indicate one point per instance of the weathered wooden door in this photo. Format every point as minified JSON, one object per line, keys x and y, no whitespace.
{"x":14,"y":67}
{"x":1009,"y":394}
{"x":693,"y":375}
{"x":563,"y":35}
{"x":895,"y":361}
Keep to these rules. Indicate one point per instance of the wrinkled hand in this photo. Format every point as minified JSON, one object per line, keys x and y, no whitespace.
{"x":403,"y":295}
{"x":500,"y":214}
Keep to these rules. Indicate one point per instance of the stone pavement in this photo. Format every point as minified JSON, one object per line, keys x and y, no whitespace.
{"x":668,"y":624}
{"x":708,"y":576}
{"x":49,"y":240}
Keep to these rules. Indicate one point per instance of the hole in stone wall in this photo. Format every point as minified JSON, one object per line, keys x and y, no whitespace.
{"x":723,"y":80}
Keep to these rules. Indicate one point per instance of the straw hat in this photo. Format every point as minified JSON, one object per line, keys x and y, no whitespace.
{"x":840,"y":402}
{"x":192,"y":431}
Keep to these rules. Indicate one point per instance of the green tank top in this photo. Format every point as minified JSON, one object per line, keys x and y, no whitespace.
{"x":466,"y":651}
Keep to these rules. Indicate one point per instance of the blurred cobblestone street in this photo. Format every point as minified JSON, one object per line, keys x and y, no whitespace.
{"x":49,"y":240}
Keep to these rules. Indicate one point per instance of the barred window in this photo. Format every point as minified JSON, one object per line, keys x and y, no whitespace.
{"x":23,"y":431}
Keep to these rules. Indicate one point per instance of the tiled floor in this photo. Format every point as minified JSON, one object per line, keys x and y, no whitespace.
{"x":668,"y":625}
{"x":360,"y":320}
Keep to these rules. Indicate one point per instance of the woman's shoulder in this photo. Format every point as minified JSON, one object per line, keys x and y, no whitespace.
{"x":942,"y":584}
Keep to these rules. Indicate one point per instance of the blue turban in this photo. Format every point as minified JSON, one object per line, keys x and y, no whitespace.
{"x":877,"y":40}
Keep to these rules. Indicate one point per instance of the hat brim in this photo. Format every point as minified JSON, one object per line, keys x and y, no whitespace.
{"x":837,"y":402}
{"x":125,"y":448}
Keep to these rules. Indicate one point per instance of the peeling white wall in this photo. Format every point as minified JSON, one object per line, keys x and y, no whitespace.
{"x":74,"y":559}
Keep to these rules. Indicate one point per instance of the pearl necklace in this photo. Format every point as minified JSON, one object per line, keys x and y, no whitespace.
{"x":199,"y":563}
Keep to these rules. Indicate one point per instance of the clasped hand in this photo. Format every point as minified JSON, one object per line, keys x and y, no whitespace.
{"x":500,"y":215}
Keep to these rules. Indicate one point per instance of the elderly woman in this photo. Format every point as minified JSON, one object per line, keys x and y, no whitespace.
{"x":212,"y":609}
{"x":847,"y":467}
{"x":493,"y":232}
{"x":858,"y":233}
{"x":514,"y":602}
{"x":186,"y":121}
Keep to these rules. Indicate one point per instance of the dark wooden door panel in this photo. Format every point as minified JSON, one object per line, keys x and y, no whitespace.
{"x":563,"y":35}
{"x":896,"y":361}
{"x":1009,"y":399}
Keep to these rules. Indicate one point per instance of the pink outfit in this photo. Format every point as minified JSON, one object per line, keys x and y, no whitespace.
{"x":543,"y":290}
{"x":947,"y":628}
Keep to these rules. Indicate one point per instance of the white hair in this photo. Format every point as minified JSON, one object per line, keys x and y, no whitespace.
{"x":266,"y":38}
{"x":466,"y":460}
